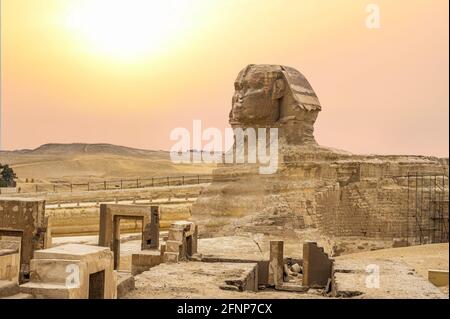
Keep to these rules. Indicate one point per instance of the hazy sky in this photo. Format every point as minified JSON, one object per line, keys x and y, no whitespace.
{"x":127,"y":72}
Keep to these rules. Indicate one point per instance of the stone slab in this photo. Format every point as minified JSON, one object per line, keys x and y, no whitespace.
{"x":125,"y":283}
{"x":69,"y":251}
{"x":144,"y":260}
{"x":439,"y":278}
{"x":170,"y":257}
{"x":276,"y":263}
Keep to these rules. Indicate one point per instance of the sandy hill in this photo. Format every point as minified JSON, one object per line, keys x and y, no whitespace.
{"x":81,"y":162}
{"x":83,"y":148}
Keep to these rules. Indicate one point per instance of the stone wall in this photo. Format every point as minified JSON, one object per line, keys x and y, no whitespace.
{"x":85,"y":220}
{"x":9,"y":260}
{"x":25,"y":218}
{"x":319,"y":187}
{"x":111,"y":195}
{"x":376,"y":208}
{"x":340,"y":195}
{"x":8,"y":190}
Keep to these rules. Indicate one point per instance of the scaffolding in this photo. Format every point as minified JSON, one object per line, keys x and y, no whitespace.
{"x":427,"y":208}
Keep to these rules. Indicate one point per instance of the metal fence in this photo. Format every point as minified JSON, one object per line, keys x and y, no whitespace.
{"x":124,"y":183}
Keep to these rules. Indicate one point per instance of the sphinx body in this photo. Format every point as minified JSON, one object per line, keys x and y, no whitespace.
{"x":334,"y":193}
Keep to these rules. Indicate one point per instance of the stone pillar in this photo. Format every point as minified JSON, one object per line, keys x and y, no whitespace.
{"x":105,"y":231}
{"x":173,"y":249}
{"x":48,"y":233}
{"x":154,"y":227}
{"x":276,"y":263}
{"x":194,"y":248}
{"x":317,"y":267}
{"x":116,"y":242}
{"x":181,"y":242}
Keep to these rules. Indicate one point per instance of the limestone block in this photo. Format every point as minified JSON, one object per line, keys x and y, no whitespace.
{"x":291,"y":287}
{"x":19,"y":296}
{"x":58,"y":271}
{"x":97,"y":258}
{"x":174,"y":246}
{"x":276,"y":262}
{"x":9,"y":265}
{"x":248,"y":281}
{"x":439,"y":278}
{"x":144,"y":260}
{"x":194,"y":248}
{"x":8,"y":288}
{"x":317,"y":267}
{"x":72,"y":271}
{"x":109,"y":212}
{"x":51,"y":291}
{"x":187,"y":227}
{"x":399,"y":242}
{"x":24,"y":218}
{"x":176,"y":234}
{"x":125,"y":284}
{"x":170,"y":257}
{"x":154,"y":228}
{"x":162,"y":250}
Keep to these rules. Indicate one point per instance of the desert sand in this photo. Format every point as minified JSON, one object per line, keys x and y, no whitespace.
{"x":78,"y":163}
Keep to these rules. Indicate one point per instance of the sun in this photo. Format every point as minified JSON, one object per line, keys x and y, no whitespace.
{"x":127,"y":29}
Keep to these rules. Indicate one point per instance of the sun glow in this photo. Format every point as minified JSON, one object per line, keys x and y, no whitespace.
{"x":128,"y":28}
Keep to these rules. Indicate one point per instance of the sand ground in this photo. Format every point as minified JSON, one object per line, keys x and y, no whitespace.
{"x":403,"y":271}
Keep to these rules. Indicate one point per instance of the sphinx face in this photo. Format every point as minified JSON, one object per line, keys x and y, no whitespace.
{"x":253,"y":101}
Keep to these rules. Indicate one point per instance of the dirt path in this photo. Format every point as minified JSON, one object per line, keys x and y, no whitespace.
{"x":403,"y":272}
{"x":420,"y":258}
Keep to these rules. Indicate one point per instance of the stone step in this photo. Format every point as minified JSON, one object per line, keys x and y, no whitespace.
{"x":292,"y":288}
{"x":8,"y":288}
{"x":196,"y":257}
{"x":173,"y":246}
{"x":229,"y":287}
{"x":175,"y":234}
{"x":125,"y":283}
{"x":170,"y":257}
{"x":49,"y":290}
{"x":19,"y":295}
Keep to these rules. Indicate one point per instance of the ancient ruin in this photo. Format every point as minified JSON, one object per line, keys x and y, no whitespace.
{"x":25,"y":221}
{"x":340,"y":194}
{"x":110,"y":217}
{"x":72,"y":272}
{"x":181,"y":242}
{"x":317,"y":267}
{"x":301,"y":231}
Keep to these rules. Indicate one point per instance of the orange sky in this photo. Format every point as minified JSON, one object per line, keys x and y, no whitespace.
{"x":129,"y":73}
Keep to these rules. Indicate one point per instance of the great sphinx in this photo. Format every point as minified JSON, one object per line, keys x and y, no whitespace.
{"x":333,"y":192}
{"x":275,"y":96}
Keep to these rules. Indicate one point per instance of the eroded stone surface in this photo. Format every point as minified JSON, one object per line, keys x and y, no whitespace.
{"x":315,"y":187}
{"x":193,"y":280}
{"x":72,"y":271}
{"x":24,"y":218}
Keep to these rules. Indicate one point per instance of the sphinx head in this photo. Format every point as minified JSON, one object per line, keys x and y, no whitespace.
{"x":274,"y":95}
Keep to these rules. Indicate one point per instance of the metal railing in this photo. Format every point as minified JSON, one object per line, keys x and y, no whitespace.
{"x":118,"y":184}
